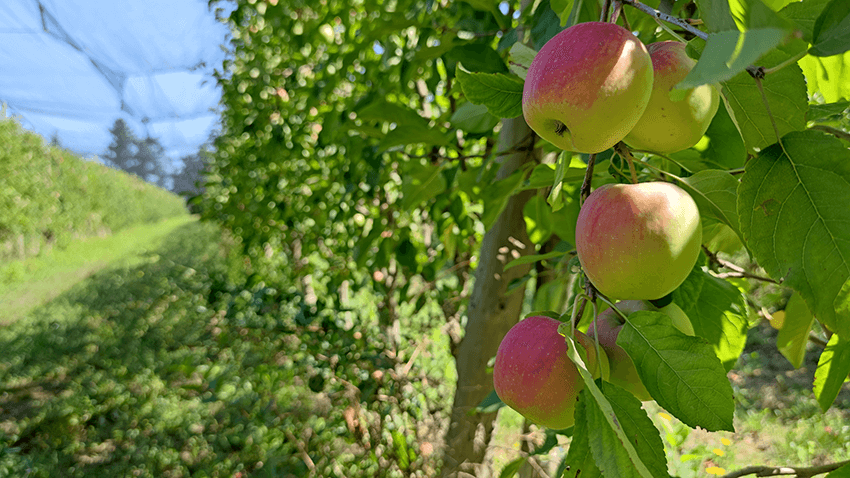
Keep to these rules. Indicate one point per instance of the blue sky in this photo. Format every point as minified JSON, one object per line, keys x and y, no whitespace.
{"x":72,"y":67}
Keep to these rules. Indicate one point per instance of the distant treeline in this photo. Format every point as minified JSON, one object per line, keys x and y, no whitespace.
{"x":49,"y":195}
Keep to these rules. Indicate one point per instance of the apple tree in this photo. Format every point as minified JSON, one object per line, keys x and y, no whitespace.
{"x":414,"y":148}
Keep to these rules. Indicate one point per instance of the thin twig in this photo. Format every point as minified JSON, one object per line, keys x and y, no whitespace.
{"x":833,"y":131}
{"x":588,"y":175}
{"x":684,"y":25}
{"x":785,"y":63}
{"x":606,"y":10}
{"x":798,"y":471}
{"x":738,"y":271}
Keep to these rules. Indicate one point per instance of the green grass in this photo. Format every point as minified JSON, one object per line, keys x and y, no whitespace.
{"x":29,"y":283}
{"x":162,"y":365}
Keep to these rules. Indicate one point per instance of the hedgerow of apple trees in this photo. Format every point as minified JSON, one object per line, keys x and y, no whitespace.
{"x":359,"y":150}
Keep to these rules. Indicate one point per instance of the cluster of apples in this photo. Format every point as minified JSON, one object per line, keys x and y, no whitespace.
{"x":591,"y":86}
{"x":596,"y":84}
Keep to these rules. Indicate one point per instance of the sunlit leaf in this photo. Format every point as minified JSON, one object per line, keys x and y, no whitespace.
{"x":785,"y":91}
{"x":833,"y":367}
{"x":792,"y":206}
{"x":681,"y":373}
{"x":502,"y":94}
{"x":794,"y":333}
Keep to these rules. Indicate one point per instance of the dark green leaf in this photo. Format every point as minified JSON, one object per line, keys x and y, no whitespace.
{"x":804,"y":15}
{"x":477,"y":57}
{"x":579,"y":462}
{"x":681,"y":373}
{"x":545,"y":24}
{"x":490,"y":404}
{"x":716,"y":194}
{"x":725,"y":146}
{"x":843,"y":472}
{"x":718,"y":312}
{"x":511,"y":469}
{"x":825,"y":112}
{"x":403,"y":135}
{"x":831,"y":33}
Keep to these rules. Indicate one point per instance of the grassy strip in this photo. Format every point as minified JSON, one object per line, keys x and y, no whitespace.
{"x":26,"y":284}
{"x":160,"y":366}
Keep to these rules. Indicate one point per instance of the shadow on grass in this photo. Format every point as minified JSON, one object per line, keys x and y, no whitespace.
{"x":102,"y":353}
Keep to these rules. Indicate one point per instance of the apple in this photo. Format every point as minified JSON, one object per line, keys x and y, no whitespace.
{"x":607,"y":327}
{"x":638,"y":241}
{"x":669,"y":125}
{"x":587,"y":87}
{"x":533,"y":375}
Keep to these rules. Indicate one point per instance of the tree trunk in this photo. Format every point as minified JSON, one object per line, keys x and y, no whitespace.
{"x":491,"y":314}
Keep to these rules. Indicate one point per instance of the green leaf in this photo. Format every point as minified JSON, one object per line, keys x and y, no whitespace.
{"x":843,"y":472}
{"x":681,"y":373}
{"x":608,"y":452}
{"x":794,"y":333}
{"x":786,"y":94}
{"x":716,"y":194}
{"x":752,"y":14}
{"x":420,"y":183}
{"x":725,"y":146}
{"x":826,"y":112}
{"x":477,"y":57}
{"x":500,"y":93}
{"x":608,"y":421}
{"x":545,"y":24}
{"x":490,"y":404}
{"x":403,"y":135}
{"x":718,"y":312}
{"x":831,"y":33}
{"x":792,"y":206}
{"x":512,"y":468}
{"x":534,"y":258}
{"x":400,"y":445}
{"x":833,"y":367}
{"x":637,"y":426}
{"x":715,"y":14}
{"x":496,"y":195}
{"x":385,"y":111}
{"x":824,"y":76}
{"x":804,"y":15}
{"x":538,"y":219}
{"x":579,"y":462}
{"x":474,"y":119}
{"x":728,"y":53}
{"x":520,"y":58}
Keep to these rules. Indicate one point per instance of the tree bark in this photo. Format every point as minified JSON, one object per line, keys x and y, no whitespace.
{"x":491,"y":314}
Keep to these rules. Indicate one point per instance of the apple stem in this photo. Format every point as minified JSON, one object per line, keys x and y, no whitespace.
{"x":621,"y":317}
{"x":588,"y":175}
{"x":624,"y":153}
